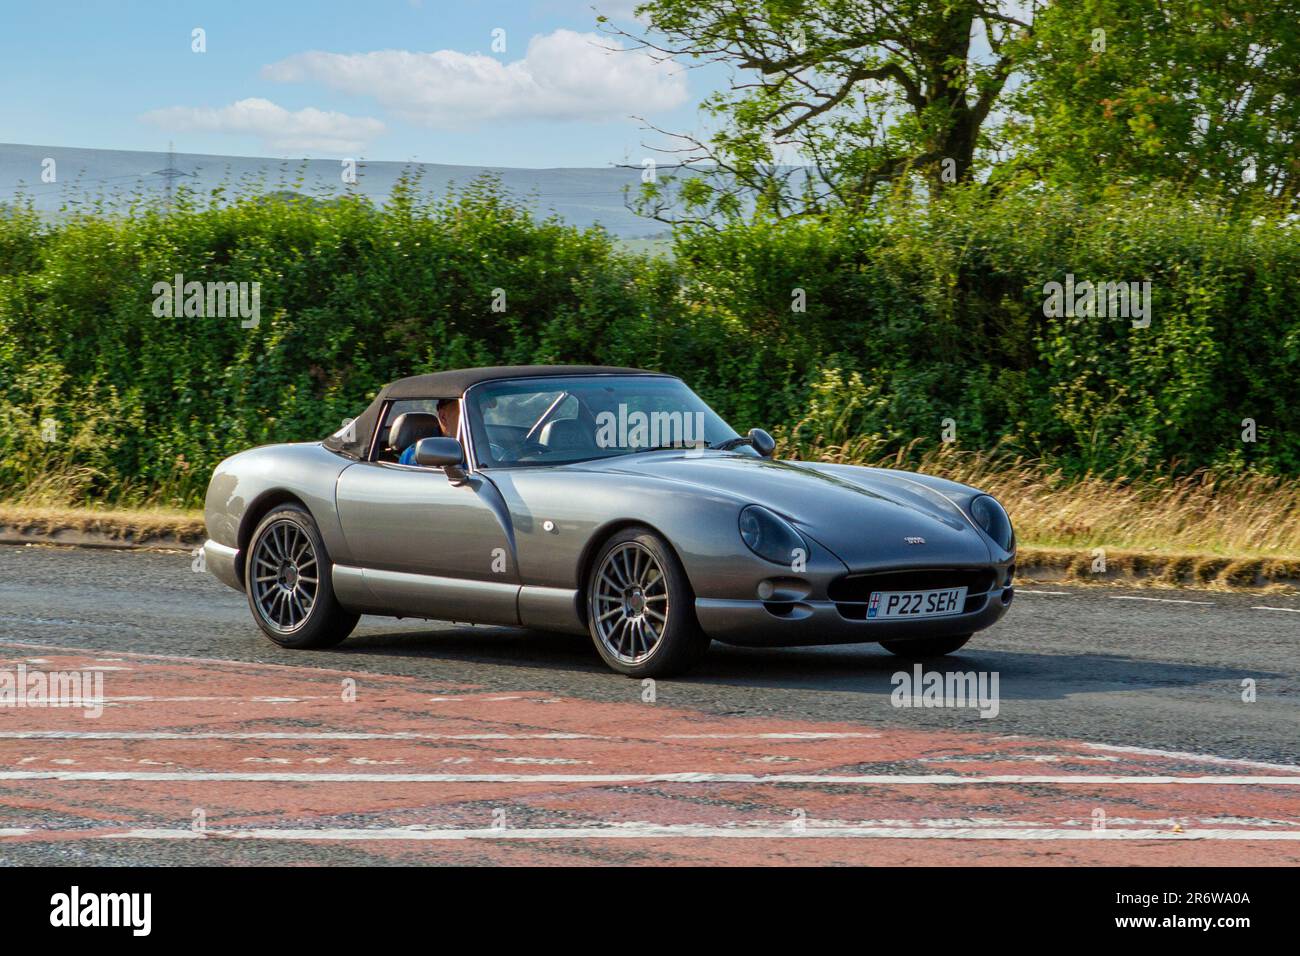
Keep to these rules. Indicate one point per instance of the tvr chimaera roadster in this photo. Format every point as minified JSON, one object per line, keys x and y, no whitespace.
{"x":607,"y":501}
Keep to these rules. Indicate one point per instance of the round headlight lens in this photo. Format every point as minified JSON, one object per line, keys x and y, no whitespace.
{"x":992,"y":517}
{"x":770,"y":537}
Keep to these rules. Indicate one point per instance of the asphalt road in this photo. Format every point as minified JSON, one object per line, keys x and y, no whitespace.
{"x":1159,"y":671}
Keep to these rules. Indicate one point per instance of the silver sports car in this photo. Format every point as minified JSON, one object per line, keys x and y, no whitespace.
{"x":607,"y":501}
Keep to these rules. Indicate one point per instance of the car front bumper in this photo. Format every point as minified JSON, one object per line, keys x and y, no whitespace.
{"x":223,"y":563}
{"x":809,"y":623}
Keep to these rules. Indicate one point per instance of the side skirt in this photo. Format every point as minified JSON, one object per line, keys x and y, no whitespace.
{"x":368,"y":591}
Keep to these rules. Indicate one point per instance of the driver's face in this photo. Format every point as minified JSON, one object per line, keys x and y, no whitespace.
{"x":449,"y":418}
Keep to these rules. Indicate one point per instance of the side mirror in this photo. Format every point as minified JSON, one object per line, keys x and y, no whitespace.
{"x":762,"y":442}
{"x":444,"y":453}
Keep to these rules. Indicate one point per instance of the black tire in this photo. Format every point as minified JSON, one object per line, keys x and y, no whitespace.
{"x":927,"y":646}
{"x":662,"y":638}
{"x":322,"y":622}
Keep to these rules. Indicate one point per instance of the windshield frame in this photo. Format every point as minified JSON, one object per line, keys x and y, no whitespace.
{"x":473,"y":427}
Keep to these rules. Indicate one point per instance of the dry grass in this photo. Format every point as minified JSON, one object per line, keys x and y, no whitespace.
{"x":1231,"y":517}
{"x":136,"y":525}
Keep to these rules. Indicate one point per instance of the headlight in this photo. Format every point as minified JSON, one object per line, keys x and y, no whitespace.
{"x":992,"y":517}
{"x":770,"y":537}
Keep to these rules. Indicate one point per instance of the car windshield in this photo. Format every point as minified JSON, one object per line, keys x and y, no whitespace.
{"x":551,"y":421}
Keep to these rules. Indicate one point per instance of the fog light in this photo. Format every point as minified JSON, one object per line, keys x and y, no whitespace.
{"x":765,"y":590}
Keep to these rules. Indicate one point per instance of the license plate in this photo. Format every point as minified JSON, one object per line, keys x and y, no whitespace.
{"x":914,"y":604}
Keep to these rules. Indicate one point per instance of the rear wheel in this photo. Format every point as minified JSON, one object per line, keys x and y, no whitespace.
{"x":287,"y":578}
{"x":927,"y":646}
{"x":640,"y":608}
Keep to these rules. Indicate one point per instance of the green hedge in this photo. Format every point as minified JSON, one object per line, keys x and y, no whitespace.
{"x":911,"y":318}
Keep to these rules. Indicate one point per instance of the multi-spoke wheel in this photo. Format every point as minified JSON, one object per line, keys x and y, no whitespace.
{"x":639,"y":607}
{"x":287,"y":577}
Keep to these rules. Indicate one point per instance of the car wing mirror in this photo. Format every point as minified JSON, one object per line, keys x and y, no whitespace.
{"x":762,"y":442}
{"x":444,"y":453}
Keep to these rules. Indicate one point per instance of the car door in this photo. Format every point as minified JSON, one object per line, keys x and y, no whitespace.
{"x":428,"y":547}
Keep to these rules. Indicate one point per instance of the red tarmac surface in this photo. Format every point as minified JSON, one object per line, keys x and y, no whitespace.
{"x":416,"y":771}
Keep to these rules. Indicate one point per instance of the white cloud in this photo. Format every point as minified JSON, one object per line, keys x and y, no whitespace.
{"x":280,"y":130}
{"x":562,"y":76}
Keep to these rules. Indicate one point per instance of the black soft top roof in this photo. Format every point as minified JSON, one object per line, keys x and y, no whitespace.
{"x":452,"y":384}
{"x":355,"y":440}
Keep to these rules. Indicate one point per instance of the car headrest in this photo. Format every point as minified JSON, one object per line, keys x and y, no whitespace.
{"x":410,"y":427}
{"x":568,"y":434}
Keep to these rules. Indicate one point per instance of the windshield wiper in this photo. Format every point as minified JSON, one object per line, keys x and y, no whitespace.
{"x":731,"y":443}
{"x":762,"y":442}
{"x":670,"y":447}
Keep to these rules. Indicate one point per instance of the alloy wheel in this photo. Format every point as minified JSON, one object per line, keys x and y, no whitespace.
{"x":285,"y":576}
{"x":631,"y":603}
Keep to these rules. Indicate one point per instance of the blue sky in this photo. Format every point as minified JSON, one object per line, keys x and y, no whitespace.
{"x":380,"y":79}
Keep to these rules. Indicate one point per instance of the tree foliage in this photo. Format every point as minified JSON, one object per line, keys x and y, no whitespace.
{"x":830,"y":103}
{"x":932,"y":310}
{"x":1204,"y":95}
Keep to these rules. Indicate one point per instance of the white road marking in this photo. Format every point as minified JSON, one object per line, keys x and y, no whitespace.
{"x":272,"y":735}
{"x":1288,"y":610}
{"x":1130,"y":597}
{"x":804,"y":735}
{"x":693,"y":831}
{"x":925,"y":780}
{"x":399,"y":735}
{"x":1024,"y":758}
{"x":1202,"y":758}
{"x":208,"y":661}
{"x":146,"y":699}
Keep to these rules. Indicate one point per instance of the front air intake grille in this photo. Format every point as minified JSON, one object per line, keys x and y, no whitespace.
{"x":852,"y":592}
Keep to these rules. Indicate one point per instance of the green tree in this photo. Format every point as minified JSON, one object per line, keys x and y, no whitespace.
{"x":831,"y":99}
{"x":1203,"y":94}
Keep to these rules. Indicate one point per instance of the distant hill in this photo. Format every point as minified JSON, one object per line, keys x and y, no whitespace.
{"x":582,"y":197}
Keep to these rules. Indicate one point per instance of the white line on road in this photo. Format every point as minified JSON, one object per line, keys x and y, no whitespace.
{"x":1288,"y":610}
{"x":401,"y":735}
{"x":798,"y":735}
{"x":692,"y":831}
{"x":1130,"y":597}
{"x":219,"y":776}
{"x":1201,"y":758}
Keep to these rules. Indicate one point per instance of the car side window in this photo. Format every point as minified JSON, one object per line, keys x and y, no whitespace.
{"x":383,"y":449}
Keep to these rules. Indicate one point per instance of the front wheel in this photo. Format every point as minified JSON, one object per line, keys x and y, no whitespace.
{"x":640,"y":607}
{"x":927,"y":646}
{"x":287,"y":578}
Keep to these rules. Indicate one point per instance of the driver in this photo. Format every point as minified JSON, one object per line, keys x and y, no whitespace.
{"x":449,"y":416}
{"x":448,"y":419}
